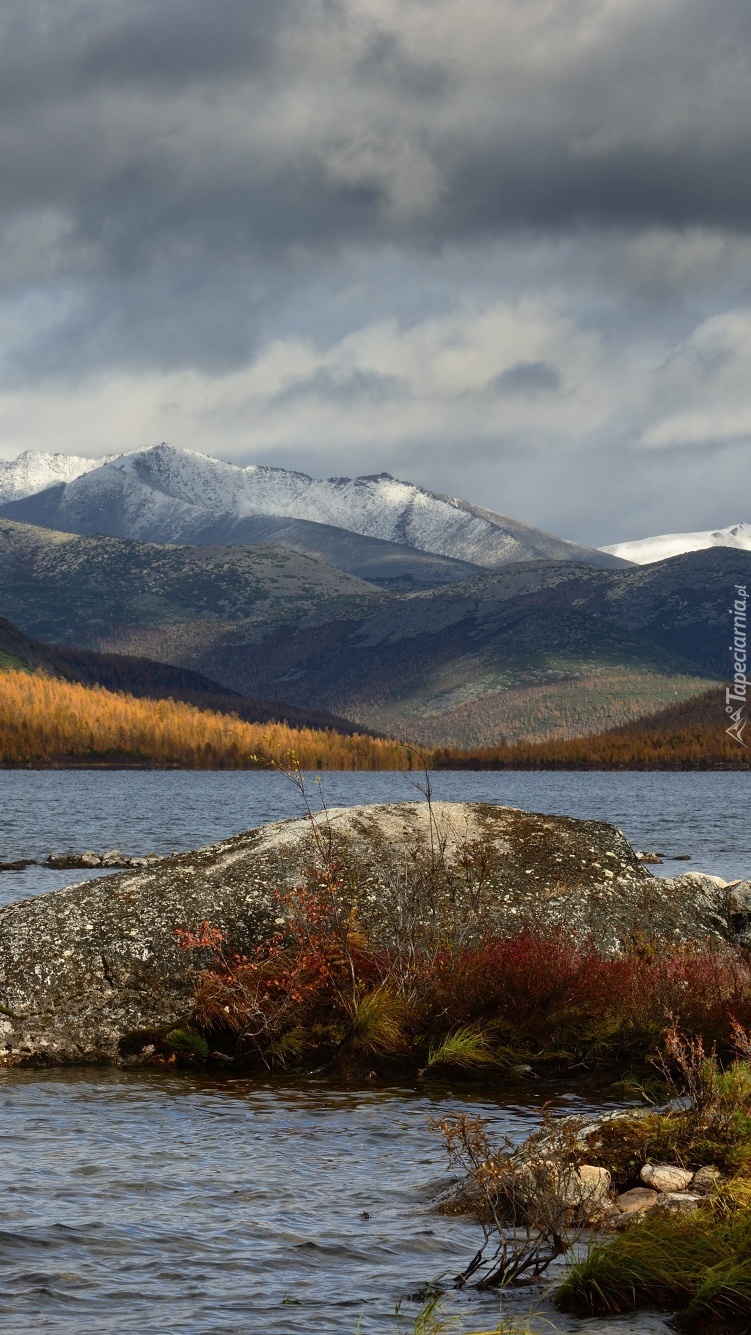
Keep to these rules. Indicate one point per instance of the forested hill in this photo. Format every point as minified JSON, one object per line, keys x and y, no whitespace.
{"x":146,"y":679}
{"x":690,"y":735}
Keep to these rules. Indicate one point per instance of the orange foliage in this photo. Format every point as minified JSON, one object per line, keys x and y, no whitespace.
{"x":47,"y":722}
{"x":688,"y":735}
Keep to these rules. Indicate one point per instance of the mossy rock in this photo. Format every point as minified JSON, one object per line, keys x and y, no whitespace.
{"x":187,"y":1044}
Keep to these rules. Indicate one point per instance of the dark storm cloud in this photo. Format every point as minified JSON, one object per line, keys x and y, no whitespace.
{"x":255,"y":127}
{"x":342,"y":386}
{"x":527,"y":378}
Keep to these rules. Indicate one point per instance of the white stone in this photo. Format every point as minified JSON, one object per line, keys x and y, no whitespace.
{"x":665,"y":1176}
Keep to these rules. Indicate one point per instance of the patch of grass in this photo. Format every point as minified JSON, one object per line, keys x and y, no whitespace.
{"x":466,"y":1048}
{"x":378,"y":1021}
{"x":187,"y":1044}
{"x":699,"y":1265}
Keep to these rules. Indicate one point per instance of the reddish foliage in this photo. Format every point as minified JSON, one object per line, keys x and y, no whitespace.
{"x":548,"y":989}
{"x":535,"y":992}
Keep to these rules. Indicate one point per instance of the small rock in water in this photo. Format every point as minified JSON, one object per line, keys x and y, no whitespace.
{"x":18,"y":865}
{"x":681,"y":857}
{"x":665,"y":1176}
{"x":90,"y":859}
{"x":113,"y":858}
{"x":650,"y":857}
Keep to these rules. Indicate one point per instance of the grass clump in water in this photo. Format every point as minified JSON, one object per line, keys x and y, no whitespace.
{"x":467,"y":1048}
{"x":699,"y":1265}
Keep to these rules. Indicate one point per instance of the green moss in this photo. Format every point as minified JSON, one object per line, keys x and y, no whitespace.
{"x":187,"y":1043}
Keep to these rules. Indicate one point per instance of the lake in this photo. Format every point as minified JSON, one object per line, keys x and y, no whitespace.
{"x":705,"y":815}
{"x":146,"y":1201}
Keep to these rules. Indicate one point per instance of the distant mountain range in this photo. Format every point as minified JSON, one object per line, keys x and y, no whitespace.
{"x":366,"y":599}
{"x":643,"y":551}
{"x":378,"y":528}
{"x":534,"y":649}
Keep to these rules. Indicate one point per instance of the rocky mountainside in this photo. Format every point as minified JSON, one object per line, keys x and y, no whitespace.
{"x":164,"y":494}
{"x":643,"y":551}
{"x":534,"y":649}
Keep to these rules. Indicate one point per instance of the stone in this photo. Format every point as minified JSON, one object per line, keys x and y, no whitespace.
{"x":636,"y":1200}
{"x":86,"y":968}
{"x":587,"y":1187}
{"x":678,"y":1202}
{"x":90,"y":859}
{"x":113,"y":858}
{"x":652,"y":858}
{"x":706,"y":1180}
{"x":739,"y":910}
{"x":665,"y":1176}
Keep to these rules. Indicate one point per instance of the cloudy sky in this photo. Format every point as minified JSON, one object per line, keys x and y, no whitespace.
{"x":498,"y":247}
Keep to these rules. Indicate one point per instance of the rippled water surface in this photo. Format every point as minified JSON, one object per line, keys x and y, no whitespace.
{"x":139,"y":1202}
{"x":704,"y":815}
{"x":149,"y":1203}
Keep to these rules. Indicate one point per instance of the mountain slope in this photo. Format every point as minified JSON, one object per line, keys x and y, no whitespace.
{"x":688,"y":735}
{"x":535,"y":649}
{"x":146,"y":679}
{"x":164,"y":494}
{"x":35,"y":470}
{"x":172,"y":604}
{"x":643,"y":551}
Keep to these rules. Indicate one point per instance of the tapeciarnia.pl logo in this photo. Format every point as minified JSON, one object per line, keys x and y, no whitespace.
{"x":735,"y":695}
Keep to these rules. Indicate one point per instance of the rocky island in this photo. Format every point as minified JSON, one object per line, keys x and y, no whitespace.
{"x":85,"y":970}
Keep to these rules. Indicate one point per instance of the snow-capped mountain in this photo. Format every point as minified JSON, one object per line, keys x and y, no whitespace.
{"x":163,"y":494}
{"x":643,"y":551}
{"x":34,"y":471}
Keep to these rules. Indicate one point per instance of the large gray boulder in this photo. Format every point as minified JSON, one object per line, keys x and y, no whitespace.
{"x":86,"y":973}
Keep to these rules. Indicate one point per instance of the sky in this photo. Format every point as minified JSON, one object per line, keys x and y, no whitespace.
{"x":501,"y":248}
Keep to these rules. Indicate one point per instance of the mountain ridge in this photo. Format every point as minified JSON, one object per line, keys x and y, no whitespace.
{"x":163,"y":494}
{"x":533,"y":646}
{"x":646,"y":551}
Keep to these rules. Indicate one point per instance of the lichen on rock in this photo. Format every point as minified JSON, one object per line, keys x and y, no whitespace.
{"x":84,"y":969}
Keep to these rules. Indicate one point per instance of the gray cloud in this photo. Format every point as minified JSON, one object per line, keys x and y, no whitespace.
{"x":391,"y":233}
{"x":528,"y":378}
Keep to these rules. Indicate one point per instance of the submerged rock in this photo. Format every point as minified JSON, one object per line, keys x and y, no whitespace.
{"x":88,"y":973}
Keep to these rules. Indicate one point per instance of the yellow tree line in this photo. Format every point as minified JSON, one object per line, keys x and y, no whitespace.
{"x":45,"y":721}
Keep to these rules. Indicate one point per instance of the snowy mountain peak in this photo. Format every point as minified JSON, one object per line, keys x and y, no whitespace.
{"x":165,"y":494}
{"x":34,"y":470}
{"x":644,"y":551}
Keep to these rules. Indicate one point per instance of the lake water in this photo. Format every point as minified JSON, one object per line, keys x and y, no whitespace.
{"x":142,"y":1202}
{"x":147,"y":1203}
{"x":142,"y":811}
